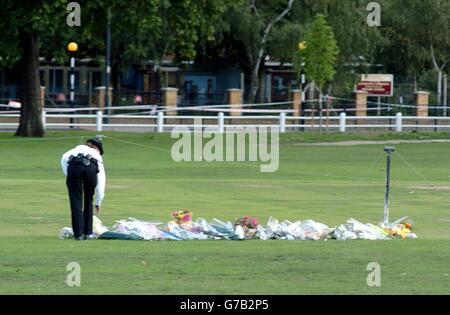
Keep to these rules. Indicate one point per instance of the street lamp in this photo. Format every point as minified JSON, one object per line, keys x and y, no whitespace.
{"x":108,"y":67}
{"x":302,"y":46}
{"x":72,"y":48}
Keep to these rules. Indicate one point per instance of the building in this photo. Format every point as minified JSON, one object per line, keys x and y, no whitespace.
{"x":197,"y":84}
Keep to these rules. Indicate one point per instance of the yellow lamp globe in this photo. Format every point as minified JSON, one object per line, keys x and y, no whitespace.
{"x":302,"y":45}
{"x":72,"y":47}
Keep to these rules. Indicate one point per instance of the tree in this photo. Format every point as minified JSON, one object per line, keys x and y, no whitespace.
{"x":418,"y":32}
{"x":251,"y":23}
{"x":320,"y":55}
{"x":433,"y":35}
{"x":32,"y":30}
{"x":21,"y":31}
{"x":152,"y":29}
{"x":142,"y":29}
{"x":358,"y":43}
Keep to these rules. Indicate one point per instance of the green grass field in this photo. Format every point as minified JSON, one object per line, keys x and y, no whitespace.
{"x":329,"y":184}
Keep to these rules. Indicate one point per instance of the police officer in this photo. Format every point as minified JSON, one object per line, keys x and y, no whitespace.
{"x":85,"y":173}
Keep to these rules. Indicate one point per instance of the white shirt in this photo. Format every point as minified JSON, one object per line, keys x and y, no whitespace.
{"x":101,"y":177}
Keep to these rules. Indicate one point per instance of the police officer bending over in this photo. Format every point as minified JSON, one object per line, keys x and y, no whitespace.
{"x":85,"y":173}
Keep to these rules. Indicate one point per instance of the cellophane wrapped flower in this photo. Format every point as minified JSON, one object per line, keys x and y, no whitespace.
{"x":248,"y":224}
{"x":182,"y":217}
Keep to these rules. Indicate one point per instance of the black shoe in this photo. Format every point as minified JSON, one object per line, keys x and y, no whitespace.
{"x":81,"y":238}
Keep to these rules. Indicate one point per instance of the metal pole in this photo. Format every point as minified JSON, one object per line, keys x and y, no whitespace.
{"x":379,"y":106}
{"x":108,"y":67}
{"x":389,"y":151}
{"x":72,"y":87}
{"x":302,"y":94}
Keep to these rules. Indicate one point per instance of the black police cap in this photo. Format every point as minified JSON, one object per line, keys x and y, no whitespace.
{"x":98,"y":143}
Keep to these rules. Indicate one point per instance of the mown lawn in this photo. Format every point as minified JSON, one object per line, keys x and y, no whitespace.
{"x":329,"y":184}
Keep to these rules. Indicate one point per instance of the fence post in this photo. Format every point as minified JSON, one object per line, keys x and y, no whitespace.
{"x":235,"y":100}
{"x":42,"y":97}
{"x":422,"y":100}
{"x":99,"y":121}
{"x":170,"y":100}
{"x":399,"y":122}
{"x":342,"y":122}
{"x":282,"y":122}
{"x":160,"y":122}
{"x":44,"y":119}
{"x":221,"y":123}
{"x":296,"y":99}
{"x":361,"y":106}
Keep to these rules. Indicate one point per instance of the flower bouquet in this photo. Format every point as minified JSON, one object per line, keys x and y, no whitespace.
{"x":182,"y":217}
{"x":184,"y":220}
{"x":183,"y":227}
{"x":249,"y":225}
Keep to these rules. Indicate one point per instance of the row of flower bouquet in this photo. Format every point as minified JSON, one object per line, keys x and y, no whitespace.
{"x":182,"y":227}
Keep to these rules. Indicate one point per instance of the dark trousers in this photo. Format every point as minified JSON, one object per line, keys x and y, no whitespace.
{"x":81,"y":179}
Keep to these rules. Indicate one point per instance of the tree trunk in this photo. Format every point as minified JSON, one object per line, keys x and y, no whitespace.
{"x":260,"y":56}
{"x":31,"y":111}
{"x":254,"y":84}
{"x":262,"y":88}
{"x":439,"y":87}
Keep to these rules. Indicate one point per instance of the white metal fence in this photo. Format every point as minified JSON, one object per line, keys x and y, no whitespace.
{"x":165,"y":123}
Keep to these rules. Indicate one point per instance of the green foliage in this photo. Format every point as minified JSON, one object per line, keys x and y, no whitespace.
{"x":144,"y":30}
{"x":48,"y":19}
{"x":284,"y":40}
{"x":321,"y":52}
{"x":246,"y":27}
{"x":348,"y":20}
{"x":151,"y":29}
{"x":411,"y":27}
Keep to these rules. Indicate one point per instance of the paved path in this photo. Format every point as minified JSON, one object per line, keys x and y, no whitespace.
{"x":387,"y":142}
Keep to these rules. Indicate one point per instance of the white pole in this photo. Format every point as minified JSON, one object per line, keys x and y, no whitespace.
{"x":445,"y":83}
{"x":44,"y":119}
{"x":282,"y":122}
{"x":160,"y":122}
{"x":99,"y":121}
{"x":399,"y":122}
{"x":342,"y":122}
{"x":221,"y":123}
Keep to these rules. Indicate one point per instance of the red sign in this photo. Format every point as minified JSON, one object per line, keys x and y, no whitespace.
{"x":377,"y":85}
